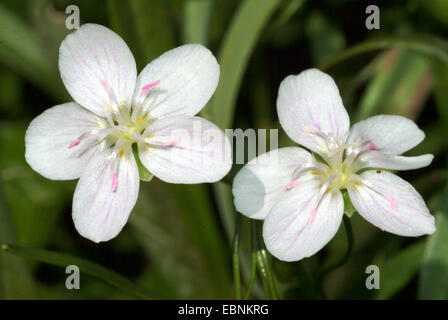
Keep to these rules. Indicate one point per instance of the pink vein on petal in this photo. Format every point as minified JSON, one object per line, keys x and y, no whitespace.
{"x":393,"y":203}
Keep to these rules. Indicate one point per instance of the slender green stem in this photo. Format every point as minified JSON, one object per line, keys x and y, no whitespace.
{"x":271,"y":280}
{"x":264,"y":268}
{"x":345,"y":258}
{"x":235,"y":258}
{"x":253,"y":273}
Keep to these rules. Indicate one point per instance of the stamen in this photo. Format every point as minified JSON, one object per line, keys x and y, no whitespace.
{"x":372,"y":146}
{"x":150,"y":85}
{"x":323,"y":191}
{"x":113,"y":102}
{"x":355,"y":150}
{"x":75,"y":143}
{"x":292,"y":184}
{"x":114,"y":182}
{"x":150,"y":142}
{"x":144,"y":94}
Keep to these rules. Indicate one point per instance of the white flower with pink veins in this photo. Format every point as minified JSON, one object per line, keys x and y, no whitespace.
{"x":91,"y":138}
{"x":300,"y":197}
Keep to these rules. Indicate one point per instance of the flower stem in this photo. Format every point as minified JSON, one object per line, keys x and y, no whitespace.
{"x":235,"y":257}
{"x":264,"y":267}
{"x":345,"y":258}
{"x":253,"y":273}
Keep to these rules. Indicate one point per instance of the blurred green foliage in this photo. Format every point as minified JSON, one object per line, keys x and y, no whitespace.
{"x":178,"y":242}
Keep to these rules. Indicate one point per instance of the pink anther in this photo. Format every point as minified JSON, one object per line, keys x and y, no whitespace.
{"x":292,"y":184}
{"x":114,"y":182}
{"x":148,"y":86}
{"x":75,"y":143}
{"x":372,"y":146}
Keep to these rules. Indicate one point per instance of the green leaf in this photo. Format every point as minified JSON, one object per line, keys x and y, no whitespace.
{"x":12,"y":287}
{"x":177,"y":268}
{"x":144,"y":173}
{"x":325,"y":38}
{"x":438,"y":9}
{"x":34,"y":203}
{"x":289,"y":9}
{"x":87,"y":267}
{"x":153,"y":27}
{"x":196,"y":20}
{"x":399,"y":270}
{"x":197,"y":211}
{"x":239,"y":42}
{"x":434,"y":275}
{"x":396,"y":88}
{"x":440,"y":93}
{"x":425,"y":44}
{"x":21,"y":50}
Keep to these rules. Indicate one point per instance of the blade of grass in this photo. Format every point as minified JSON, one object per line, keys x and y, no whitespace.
{"x":264,"y":265}
{"x":434,"y":273}
{"x":12,"y":286}
{"x":21,"y":50}
{"x":194,"y":202}
{"x":425,"y":44}
{"x":235,"y":257}
{"x":196,"y":20}
{"x":396,"y":88}
{"x":344,"y":259}
{"x":90,"y":268}
{"x":290,"y":8}
{"x":153,"y":27}
{"x":239,"y":42}
{"x":253,"y":272}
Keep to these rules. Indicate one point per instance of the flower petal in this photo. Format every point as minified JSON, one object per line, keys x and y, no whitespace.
{"x":182,"y":81}
{"x":387,"y":133}
{"x":378,"y":159}
{"x":52,"y":147}
{"x":391,"y":204}
{"x":97,"y":69}
{"x":185,"y":149}
{"x":105,"y":195}
{"x":309,"y":107}
{"x":296,"y":227}
{"x":265,"y":179}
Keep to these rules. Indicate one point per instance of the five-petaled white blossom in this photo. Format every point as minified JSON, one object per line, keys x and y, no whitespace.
{"x":300,"y":198}
{"x":92,"y":138}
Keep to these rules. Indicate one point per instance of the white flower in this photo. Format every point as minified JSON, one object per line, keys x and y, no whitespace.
{"x":91,"y":138}
{"x":300,"y":198}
